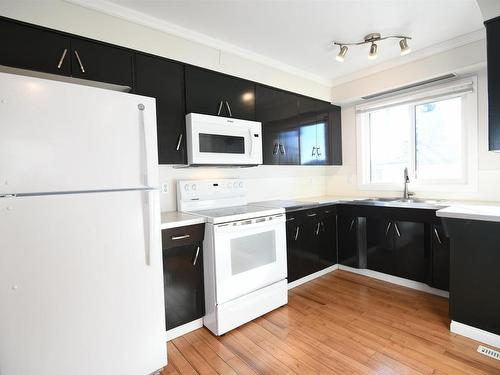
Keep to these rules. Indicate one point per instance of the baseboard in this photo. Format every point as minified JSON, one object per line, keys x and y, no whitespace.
{"x":475,"y":333}
{"x":396,"y":280}
{"x":183,"y":329}
{"x":312,"y":276}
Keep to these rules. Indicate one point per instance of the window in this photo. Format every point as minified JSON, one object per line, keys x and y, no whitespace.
{"x":431,"y":132}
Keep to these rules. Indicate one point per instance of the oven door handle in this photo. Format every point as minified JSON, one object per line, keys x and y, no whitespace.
{"x":250,"y":138}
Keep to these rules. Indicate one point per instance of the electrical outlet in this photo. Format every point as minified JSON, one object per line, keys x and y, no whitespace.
{"x":164,"y":188}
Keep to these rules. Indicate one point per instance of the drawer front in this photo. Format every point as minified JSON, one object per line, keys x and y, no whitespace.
{"x":182,"y":236}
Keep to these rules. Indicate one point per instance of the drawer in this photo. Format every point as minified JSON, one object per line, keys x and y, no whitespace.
{"x":182,"y":236}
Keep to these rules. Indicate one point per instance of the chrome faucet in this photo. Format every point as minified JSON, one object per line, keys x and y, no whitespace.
{"x":406,"y":193}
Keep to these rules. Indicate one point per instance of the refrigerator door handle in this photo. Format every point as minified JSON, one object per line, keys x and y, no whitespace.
{"x":149,"y":223}
{"x":146,"y":157}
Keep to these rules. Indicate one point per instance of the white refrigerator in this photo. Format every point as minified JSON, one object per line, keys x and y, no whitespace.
{"x":81,"y":288}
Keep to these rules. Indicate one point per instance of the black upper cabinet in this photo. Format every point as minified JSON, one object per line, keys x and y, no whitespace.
{"x":164,"y":80}
{"x":32,"y":48}
{"x":101,"y":62}
{"x":440,"y":258}
{"x":47,"y":51}
{"x":493,"y":42}
{"x":208,"y":91}
{"x":278,"y":112}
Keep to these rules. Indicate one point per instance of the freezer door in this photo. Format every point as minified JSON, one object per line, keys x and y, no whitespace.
{"x":81,"y":285}
{"x":57,"y":136}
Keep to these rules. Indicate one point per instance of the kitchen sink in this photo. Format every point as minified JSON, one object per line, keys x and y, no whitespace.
{"x":403,"y":200}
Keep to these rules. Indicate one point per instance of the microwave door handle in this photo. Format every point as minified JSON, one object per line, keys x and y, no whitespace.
{"x":250,"y":137}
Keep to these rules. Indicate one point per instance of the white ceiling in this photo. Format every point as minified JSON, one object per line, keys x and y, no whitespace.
{"x":299,"y":33}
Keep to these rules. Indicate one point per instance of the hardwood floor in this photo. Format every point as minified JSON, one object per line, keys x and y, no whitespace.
{"x":341,"y":323}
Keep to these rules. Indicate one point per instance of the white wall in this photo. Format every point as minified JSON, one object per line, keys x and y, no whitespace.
{"x":467,"y":59}
{"x":264,"y":182}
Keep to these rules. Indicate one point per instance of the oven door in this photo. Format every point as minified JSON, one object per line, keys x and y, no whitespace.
{"x":216,"y":140}
{"x":249,"y":255}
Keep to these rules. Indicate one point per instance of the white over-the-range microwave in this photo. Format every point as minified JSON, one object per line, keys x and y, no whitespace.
{"x":215,"y":140}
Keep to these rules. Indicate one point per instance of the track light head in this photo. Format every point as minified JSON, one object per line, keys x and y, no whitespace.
{"x":405,"y":48}
{"x":341,"y":55}
{"x":372,"y":55}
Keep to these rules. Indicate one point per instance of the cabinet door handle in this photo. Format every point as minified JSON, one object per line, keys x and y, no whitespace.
{"x":196,"y":256}
{"x":311,"y":215}
{"x":397,"y":229}
{"x":317,"y":229}
{"x":352,"y":224}
{"x":229,"y":109}
{"x":221,"y":103}
{"x":79,"y":61}
{"x":61,"y":60}
{"x":297,"y":230}
{"x":290,"y":219}
{"x":438,"y":237}
{"x":182,"y":237}
{"x":388,"y":227}
{"x":312,"y":153}
{"x":179,"y":142}
{"x":275,"y":149}
{"x":282,"y":149}
{"x":317,"y":151}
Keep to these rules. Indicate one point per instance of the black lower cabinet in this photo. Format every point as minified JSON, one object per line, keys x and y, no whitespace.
{"x":183,"y":275}
{"x":397,"y":248}
{"x":311,"y":241}
{"x":474,"y":281}
{"x":347,"y":227}
{"x":381,"y":254}
{"x":440,"y":258}
{"x":328,"y":237}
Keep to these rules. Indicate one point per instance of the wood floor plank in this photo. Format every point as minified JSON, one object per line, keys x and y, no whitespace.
{"x":341,"y":323}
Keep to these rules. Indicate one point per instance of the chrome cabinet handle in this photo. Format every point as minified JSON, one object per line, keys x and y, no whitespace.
{"x":61,"y":60}
{"x":275,"y":149}
{"x":318,"y":226}
{"x":388,"y":227}
{"x":438,"y":237}
{"x":229,"y":109}
{"x":297,"y":230}
{"x":317,"y":151}
{"x":79,"y":61}
{"x":196,"y":256}
{"x":397,"y":229}
{"x":290,"y":219}
{"x":220,"y":108}
{"x":312,"y":153}
{"x":282,"y":149}
{"x":311,"y":215}
{"x":182,"y":237}
{"x":179,"y":142}
{"x":352,"y":224}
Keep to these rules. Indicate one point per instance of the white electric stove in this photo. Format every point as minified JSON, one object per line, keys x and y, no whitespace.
{"x":244,"y":252}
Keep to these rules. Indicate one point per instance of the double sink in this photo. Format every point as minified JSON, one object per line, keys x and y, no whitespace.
{"x":405,"y":202}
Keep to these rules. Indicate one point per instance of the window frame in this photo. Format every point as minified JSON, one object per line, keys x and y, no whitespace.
{"x":466,"y":88}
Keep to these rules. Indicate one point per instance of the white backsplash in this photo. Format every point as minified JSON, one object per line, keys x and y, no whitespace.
{"x":264,"y":182}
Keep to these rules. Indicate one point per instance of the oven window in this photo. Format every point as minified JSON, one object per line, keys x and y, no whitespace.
{"x":222,"y":144}
{"x":250,"y":252}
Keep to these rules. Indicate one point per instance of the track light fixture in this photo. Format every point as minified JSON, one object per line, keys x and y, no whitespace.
{"x":372,"y":39}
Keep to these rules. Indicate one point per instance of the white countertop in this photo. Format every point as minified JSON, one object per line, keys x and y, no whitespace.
{"x":483,"y":212}
{"x":174,"y":219}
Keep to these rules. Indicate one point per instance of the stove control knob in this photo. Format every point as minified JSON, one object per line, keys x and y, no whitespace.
{"x":186,"y":187}
{"x":241,"y":184}
{"x":193,"y":187}
{"x":229,"y":186}
{"x":235,"y":185}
